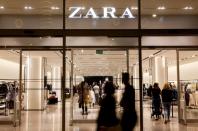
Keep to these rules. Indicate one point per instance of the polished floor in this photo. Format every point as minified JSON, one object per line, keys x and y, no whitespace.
{"x":50,"y":120}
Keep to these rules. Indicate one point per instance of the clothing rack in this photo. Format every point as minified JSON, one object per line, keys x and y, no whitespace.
{"x":3,"y":103}
{"x":7,"y":96}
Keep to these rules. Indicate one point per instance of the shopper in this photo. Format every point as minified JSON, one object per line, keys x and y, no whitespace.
{"x":86,"y":98}
{"x":167,"y":96}
{"x":149,"y":91}
{"x":107,"y":120}
{"x":80,"y":93}
{"x":96,"y":91}
{"x":92,"y":97}
{"x":156,"y":101}
{"x":129,"y":116}
{"x":83,"y":92}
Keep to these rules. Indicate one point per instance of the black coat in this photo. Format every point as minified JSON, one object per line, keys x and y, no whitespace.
{"x":107,"y":114}
{"x":167,"y":95}
{"x":129,"y":117}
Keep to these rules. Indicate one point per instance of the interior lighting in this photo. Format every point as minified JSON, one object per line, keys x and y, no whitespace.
{"x":28,"y":8}
{"x":161,"y":8}
{"x":134,"y":8}
{"x":1,"y":7}
{"x":55,"y":8}
{"x":188,"y":8}
{"x":154,"y":15}
{"x":82,"y":51}
{"x":194,"y":56}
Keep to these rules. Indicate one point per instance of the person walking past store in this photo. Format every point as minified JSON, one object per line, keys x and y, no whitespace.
{"x":167,"y":96}
{"x":86,"y":99}
{"x":129,"y":116}
{"x":83,"y":91}
{"x":107,"y":120}
{"x":156,"y":101}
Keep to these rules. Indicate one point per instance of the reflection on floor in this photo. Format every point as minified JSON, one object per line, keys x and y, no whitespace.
{"x":50,"y":120}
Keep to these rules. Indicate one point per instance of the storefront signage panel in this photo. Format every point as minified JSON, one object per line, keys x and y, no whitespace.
{"x":107,"y":12}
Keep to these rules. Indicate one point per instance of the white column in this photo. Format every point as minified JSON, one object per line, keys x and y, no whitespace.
{"x":136,"y":76}
{"x":56,"y":81}
{"x":34,"y":84}
{"x":49,"y":77}
{"x":160,"y":71}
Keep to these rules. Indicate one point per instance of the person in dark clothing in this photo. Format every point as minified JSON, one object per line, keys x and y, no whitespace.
{"x":167,"y":96}
{"x":149,"y":91}
{"x":107,"y":114}
{"x":129,"y":117}
{"x":187,"y":98}
{"x":156,"y":101}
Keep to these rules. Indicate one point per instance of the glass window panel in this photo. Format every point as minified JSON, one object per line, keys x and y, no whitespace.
{"x":31,"y":14}
{"x":101,"y":41}
{"x":9,"y":68}
{"x":170,"y":41}
{"x":188,"y":84}
{"x":30,"y":41}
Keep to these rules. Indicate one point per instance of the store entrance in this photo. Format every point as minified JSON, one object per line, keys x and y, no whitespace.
{"x":95,"y":67}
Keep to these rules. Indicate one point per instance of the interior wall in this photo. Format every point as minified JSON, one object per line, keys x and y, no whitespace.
{"x":9,"y":69}
{"x":187,"y":72}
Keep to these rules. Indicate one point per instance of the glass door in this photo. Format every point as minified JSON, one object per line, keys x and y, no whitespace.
{"x":95,"y":67}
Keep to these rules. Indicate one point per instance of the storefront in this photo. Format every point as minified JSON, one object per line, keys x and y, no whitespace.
{"x":33,"y":31}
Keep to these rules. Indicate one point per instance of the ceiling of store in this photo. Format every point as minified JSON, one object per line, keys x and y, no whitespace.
{"x":148,"y":6}
{"x":111,"y":62}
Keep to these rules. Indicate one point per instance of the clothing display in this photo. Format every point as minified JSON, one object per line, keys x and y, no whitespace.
{"x":3,"y":103}
{"x":191,"y":93}
{"x":8,"y":93}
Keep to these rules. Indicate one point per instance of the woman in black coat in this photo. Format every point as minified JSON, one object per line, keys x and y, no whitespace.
{"x":129,"y":117}
{"x":107,"y":114}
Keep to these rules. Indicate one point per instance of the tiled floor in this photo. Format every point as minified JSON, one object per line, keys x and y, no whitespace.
{"x":50,"y":120}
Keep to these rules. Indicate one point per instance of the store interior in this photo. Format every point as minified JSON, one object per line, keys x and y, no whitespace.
{"x":45,"y":67}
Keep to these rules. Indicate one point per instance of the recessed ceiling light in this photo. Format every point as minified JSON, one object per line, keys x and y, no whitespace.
{"x":1,"y":7}
{"x":112,"y":39}
{"x":82,"y":51}
{"x":134,"y":8}
{"x":28,"y":8}
{"x":188,"y":8}
{"x":154,"y":15}
{"x":161,"y":8}
{"x":55,"y":8}
{"x":194,"y":56}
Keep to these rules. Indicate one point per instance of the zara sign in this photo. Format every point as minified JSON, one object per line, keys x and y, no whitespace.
{"x":108,"y":12}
